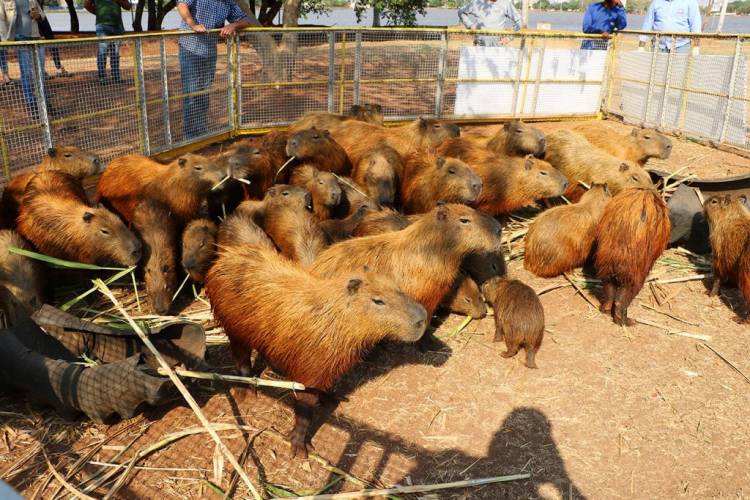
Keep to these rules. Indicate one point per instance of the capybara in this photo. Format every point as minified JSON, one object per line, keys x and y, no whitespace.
{"x":519,"y":317}
{"x":323,"y":187}
{"x":358,"y":138}
{"x":158,"y":231}
{"x":370,"y":113}
{"x":464,"y":298}
{"x":516,"y":138}
{"x":67,"y":159}
{"x":729,"y":226}
{"x":482,"y":266}
{"x":21,"y":279}
{"x":378,"y":173}
{"x":637,"y":146}
{"x":632,"y":233}
{"x":379,"y":222}
{"x":312,"y":329}
{"x":352,"y":198}
{"x":240,"y":162}
{"x":429,"y":178}
{"x":240,"y":228}
{"x":424,"y":258}
{"x":182,"y":185}
{"x":579,"y":160}
{"x":342,"y":229}
{"x":198,"y":248}
{"x":561,"y":239}
{"x":319,"y":149}
{"x":273,"y":145}
{"x":66,"y":227}
{"x":260,"y":167}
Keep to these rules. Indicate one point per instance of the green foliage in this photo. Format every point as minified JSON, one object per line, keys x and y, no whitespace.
{"x":740,"y":7}
{"x":393,"y":12}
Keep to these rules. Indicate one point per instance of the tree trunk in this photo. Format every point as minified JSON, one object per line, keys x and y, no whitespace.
{"x":74,"y":27}
{"x":163,"y":11}
{"x":375,"y":16}
{"x":138,"y":19}
{"x":152,"y":14}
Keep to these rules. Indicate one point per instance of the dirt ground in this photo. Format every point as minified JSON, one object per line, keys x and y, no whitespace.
{"x":643,"y":412}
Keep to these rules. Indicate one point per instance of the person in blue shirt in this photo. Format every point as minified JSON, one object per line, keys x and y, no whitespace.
{"x":198,"y":55}
{"x":672,"y":16}
{"x":605,"y":18}
{"x":489,"y":15}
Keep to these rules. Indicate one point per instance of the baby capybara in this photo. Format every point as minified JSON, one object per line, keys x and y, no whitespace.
{"x":464,"y":298}
{"x":378,"y":173}
{"x":561,"y":238}
{"x":519,"y":317}
{"x":516,"y":138}
{"x":637,"y":146}
{"x":319,"y":149}
{"x":21,"y":279}
{"x":314,"y":330}
{"x":198,"y":248}
{"x":182,"y":185}
{"x":158,"y":231}
{"x":67,"y":159}
{"x":632,"y":233}
{"x":429,"y":178}
{"x":729,"y":226}
{"x":323,"y":187}
{"x":60,"y":224}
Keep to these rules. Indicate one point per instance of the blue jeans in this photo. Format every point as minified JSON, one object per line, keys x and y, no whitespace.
{"x":112,"y":48}
{"x":682,"y":49}
{"x":197,"y":75}
{"x":4,"y":61}
{"x":28,"y":75}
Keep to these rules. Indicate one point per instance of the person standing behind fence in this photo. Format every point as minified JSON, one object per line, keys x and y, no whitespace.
{"x":46,"y":31}
{"x":198,"y":55}
{"x":603,"y":17}
{"x":680,"y":16}
{"x":108,"y":23}
{"x":489,"y":15}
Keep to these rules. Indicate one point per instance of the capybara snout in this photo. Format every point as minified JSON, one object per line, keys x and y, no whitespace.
{"x":403,"y":317}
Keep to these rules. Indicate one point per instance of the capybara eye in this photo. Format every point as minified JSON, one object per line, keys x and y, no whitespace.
{"x":68,"y":155}
{"x":647,"y":137}
{"x":542,"y":172}
{"x":437,"y":125}
{"x":635,"y":178}
{"x":197,"y":168}
{"x":285,"y":193}
{"x":316,"y":137}
{"x":105,"y":231}
{"x":320,"y":182}
{"x":519,"y":130}
{"x":378,"y":301}
{"x":203,"y":243}
{"x":464,"y":220}
{"x":451,"y":170}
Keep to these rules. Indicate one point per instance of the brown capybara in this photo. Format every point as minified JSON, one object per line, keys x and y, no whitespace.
{"x":260,"y":168}
{"x":358,"y":138}
{"x":273,"y":144}
{"x":323,"y":187}
{"x":312,"y":329}
{"x":319,"y":149}
{"x":729,"y":232}
{"x":580,"y":161}
{"x":343,"y":229}
{"x":352,"y":197}
{"x":378,"y":173}
{"x":424,"y":258}
{"x":464,"y":298}
{"x":637,"y":146}
{"x":370,"y":113}
{"x":66,"y":227}
{"x":519,"y":317}
{"x":561,"y":238}
{"x":182,"y":185}
{"x":240,"y":228}
{"x":67,"y":159}
{"x":481,"y":266}
{"x":632,"y":233}
{"x":198,"y":248}
{"x":429,"y":178}
{"x":21,"y":279}
{"x":158,"y":231}
{"x":378,"y":222}
{"x":241,"y":163}
{"x":516,"y":138}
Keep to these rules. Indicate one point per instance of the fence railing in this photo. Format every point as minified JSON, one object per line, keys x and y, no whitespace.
{"x":156,"y":92}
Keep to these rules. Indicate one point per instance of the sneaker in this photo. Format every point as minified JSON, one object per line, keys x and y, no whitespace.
{"x":61,"y":72}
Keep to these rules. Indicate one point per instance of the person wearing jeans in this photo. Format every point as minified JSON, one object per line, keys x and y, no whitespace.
{"x":46,"y":31}
{"x":198,"y":56}
{"x":108,"y":23}
{"x":4,"y":67}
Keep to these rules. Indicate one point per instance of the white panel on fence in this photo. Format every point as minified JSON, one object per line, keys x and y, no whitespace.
{"x":543,"y":98}
{"x":704,"y":113}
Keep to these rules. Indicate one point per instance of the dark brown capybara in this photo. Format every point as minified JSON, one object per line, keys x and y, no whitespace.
{"x":182,"y":185}
{"x":561,"y":238}
{"x":465,"y":298}
{"x":62,"y":225}
{"x":323,"y":187}
{"x":382,"y":221}
{"x":516,"y":138}
{"x":519,"y":317}
{"x":352,"y":198}
{"x":481,"y":266}
{"x":729,"y":233}
{"x":638,"y":146}
{"x":378,"y":173}
{"x":158,"y":231}
{"x":370,"y":113}
{"x":314,"y":330}
{"x":241,"y":163}
{"x":21,"y":279}
{"x":198,"y":248}
{"x":319,"y":149}
{"x":260,"y":167}
{"x":429,"y":178}
{"x":342,"y":229}
{"x":67,"y":159}
{"x":632,"y":233}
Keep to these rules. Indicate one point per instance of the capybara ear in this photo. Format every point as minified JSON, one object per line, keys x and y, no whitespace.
{"x":743,"y":199}
{"x":356,"y":108}
{"x":442,"y":211}
{"x":506,"y":126}
{"x":87,"y":216}
{"x":529,"y":162}
{"x":440,"y":162}
{"x":634,"y":132}
{"x":624,"y":167}
{"x":366,"y":269}
{"x":272,"y":191}
{"x":182,"y":162}
{"x":52,"y":152}
{"x":606,"y":189}
{"x":327,"y":133}
{"x":422,"y":123}
{"x":353,"y":286}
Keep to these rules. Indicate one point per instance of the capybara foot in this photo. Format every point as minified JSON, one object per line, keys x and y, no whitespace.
{"x":605,"y":307}
{"x":298,"y":448}
{"x":530,"y":359}
{"x":740,"y":320}
{"x":507,"y":354}
{"x":624,"y":321}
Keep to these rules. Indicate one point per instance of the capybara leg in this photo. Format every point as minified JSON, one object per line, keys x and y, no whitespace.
{"x":743,"y":283}
{"x":512,"y":349}
{"x":608,"y":288}
{"x":623,"y":297}
{"x":499,"y":335}
{"x":530,"y":357}
{"x":304,"y":406}
{"x":715,"y":287}
{"x":242,"y":357}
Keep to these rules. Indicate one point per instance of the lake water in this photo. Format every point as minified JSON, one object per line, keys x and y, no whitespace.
{"x":344,"y":17}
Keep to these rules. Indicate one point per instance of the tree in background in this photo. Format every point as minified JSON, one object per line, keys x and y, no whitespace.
{"x":157,"y":10}
{"x":396,"y":12}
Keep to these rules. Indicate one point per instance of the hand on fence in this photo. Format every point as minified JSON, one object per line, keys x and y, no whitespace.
{"x":228,"y":30}
{"x":199,"y":28}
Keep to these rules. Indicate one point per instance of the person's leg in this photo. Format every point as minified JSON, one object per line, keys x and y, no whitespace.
{"x":46,"y":31}
{"x":26,"y":64}
{"x":188,"y":80}
{"x":101,"y":53}
{"x":114,"y":56}
{"x":206,"y":75}
{"x":4,"y":65}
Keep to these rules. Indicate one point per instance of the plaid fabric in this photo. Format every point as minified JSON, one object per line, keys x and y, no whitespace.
{"x":212,"y":14}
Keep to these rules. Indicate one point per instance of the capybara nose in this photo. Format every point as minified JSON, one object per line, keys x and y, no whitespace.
{"x":293,"y":143}
{"x":335,"y":198}
{"x":161,"y":304}
{"x":476,"y":187}
{"x":454,"y":129}
{"x":419,"y":325}
{"x":669,"y":146}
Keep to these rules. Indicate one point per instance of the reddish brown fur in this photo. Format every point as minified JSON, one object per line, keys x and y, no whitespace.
{"x":631,"y":234}
{"x":273,"y":145}
{"x":429,"y":178}
{"x":323,"y":186}
{"x":378,"y":172}
{"x":64,"y":226}
{"x":343,"y":229}
{"x":516,"y":138}
{"x":181,"y":185}
{"x":240,"y":228}
{"x":199,"y":248}
{"x":319,"y":149}
{"x":561,"y":239}
{"x":637,"y":146}
{"x":370,"y":113}
{"x":21,"y":279}
{"x":519,"y":317}
{"x":314,"y":330}
{"x":379,"y":222}
{"x":352,"y":199}
{"x":481,"y":266}
{"x":464,"y":298}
